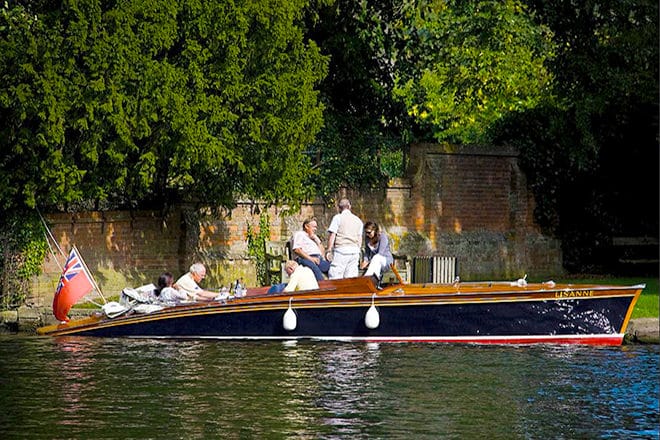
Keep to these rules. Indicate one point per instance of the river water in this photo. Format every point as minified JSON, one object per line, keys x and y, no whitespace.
{"x":88,"y":388}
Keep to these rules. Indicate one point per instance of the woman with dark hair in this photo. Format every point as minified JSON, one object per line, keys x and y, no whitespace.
{"x":377,"y":255}
{"x":167,"y":294}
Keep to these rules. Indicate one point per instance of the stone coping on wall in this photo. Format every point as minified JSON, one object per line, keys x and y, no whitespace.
{"x":466,"y":150}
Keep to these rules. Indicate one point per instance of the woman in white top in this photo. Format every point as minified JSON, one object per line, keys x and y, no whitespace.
{"x":165,"y":293}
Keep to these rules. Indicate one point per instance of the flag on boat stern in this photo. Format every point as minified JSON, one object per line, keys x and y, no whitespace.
{"x":74,"y":283}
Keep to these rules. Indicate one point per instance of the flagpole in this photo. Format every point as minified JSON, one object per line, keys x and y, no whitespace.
{"x":96,"y":286}
{"x":49,"y":234}
{"x":49,"y":238}
{"x":50,"y":248}
{"x":43,"y":221}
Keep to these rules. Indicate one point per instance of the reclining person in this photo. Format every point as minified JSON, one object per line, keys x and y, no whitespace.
{"x":165,"y":293}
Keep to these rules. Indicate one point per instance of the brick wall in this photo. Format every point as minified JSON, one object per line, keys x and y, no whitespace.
{"x":121,"y":248}
{"x":468,"y":202}
{"x":471,"y":202}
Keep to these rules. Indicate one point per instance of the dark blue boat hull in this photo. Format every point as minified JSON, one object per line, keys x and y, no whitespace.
{"x":517,"y":321}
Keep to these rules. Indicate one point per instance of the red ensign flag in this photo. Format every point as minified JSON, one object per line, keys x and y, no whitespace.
{"x":75,"y":283}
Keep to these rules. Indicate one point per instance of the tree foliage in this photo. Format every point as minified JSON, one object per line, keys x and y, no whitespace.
{"x":137,"y":101}
{"x":403,"y":71}
{"x":593,"y":160}
{"x":572,"y":84}
{"x":23,"y":247}
{"x":150,"y":102}
{"x":362,"y":136}
{"x":257,"y":239}
{"x":606,"y":66}
{"x":460,"y":67}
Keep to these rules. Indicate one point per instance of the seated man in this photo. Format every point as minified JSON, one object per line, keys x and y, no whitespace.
{"x":308,"y":249}
{"x":300,"y":278}
{"x":189,"y":283}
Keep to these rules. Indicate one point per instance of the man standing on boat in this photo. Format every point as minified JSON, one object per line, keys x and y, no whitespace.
{"x":189,"y":283}
{"x":308,"y":249}
{"x":344,"y":242}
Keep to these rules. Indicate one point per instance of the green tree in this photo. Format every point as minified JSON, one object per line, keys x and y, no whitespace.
{"x":155,"y":101}
{"x":362,"y":136}
{"x":149,"y":102}
{"x":460,"y":67}
{"x":593,"y":160}
{"x":421,"y":71}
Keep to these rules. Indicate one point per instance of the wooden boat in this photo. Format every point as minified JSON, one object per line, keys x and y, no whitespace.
{"x":355,"y":309}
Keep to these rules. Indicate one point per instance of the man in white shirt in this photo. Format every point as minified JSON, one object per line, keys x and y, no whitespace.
{"x":344,"y":241}
{"x":189,"y":283}
{"x":300,"y":278}
{"x":308,"y":250}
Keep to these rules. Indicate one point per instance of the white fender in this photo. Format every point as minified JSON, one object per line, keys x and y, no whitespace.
{"x":289,"y":321}
{"x":372,"y":318}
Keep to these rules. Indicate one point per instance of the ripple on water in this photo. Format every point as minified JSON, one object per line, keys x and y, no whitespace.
{"x":151,"y":388}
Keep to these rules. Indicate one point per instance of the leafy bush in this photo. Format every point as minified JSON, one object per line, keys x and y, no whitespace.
{"x":23,"y":248}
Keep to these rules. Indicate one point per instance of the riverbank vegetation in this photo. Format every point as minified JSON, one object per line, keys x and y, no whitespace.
{"x":153,"y":102}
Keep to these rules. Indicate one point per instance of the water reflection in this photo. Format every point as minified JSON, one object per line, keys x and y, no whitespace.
{"x":587,"y":390}
{"x":325,"y":385}
{"x":349,"y":382}
{"x":87,"y":388}
{"x":76,"y":380}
